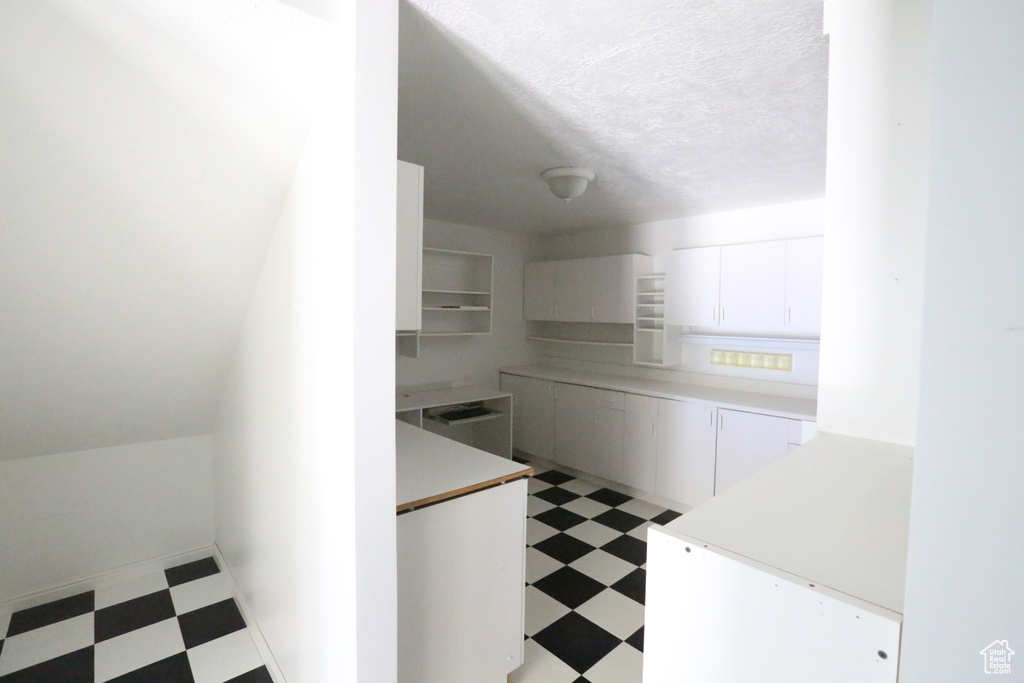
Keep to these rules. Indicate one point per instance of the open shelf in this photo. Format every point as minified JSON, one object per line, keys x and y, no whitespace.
{"x":456,"y":292}
{"x":650,"y":344}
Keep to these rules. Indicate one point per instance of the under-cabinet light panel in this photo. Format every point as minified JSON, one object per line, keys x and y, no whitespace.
{"x":746,"y":359}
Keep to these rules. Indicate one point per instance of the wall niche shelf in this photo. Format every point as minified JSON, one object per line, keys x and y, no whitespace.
{"x":651,"y":344}
{"x":457,"y":287}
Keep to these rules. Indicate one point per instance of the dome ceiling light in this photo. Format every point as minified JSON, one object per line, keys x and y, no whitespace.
{"x":567,"y":182}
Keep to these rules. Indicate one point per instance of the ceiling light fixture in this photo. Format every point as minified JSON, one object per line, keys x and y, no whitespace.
{"x":567,"y":182}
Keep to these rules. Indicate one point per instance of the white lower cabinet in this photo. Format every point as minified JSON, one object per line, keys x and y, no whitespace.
{"x":683,"y":451}
{"x":686,"y":451}
{"x":640,"y":442}
{"x":589,"y":430}
{"x":748,"y":442}
{"x":533,"y":414}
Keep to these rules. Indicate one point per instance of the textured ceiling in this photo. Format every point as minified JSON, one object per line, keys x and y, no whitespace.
{"x":681,"y":107}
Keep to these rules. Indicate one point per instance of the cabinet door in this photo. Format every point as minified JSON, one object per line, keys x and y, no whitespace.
{"x":605,"y":458}
{"x":539,"y":290}
{"x":613,"y":281}
{"x":533,"y":414}
{"x":409,"y":252}
{"x":753,"y":287}
{"x":640,"y":449}
{"x":691,"y":287}
{"x":804,"y":261}
{"x":573,"y":290}
{"x":747,"y":442}
{"x":686,"y":451}
{"x":574,"y":426}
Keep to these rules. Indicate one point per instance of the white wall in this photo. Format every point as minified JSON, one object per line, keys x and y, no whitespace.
{"x":966,"y":549}
{"x":476,"y":360}
{"x":71,"y":516}
{"x":874,"y":240}
{"x":781,"y":221}
{"x":304,"y":473}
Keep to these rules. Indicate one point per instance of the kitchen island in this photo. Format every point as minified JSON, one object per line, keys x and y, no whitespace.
{"x":461,"y":560}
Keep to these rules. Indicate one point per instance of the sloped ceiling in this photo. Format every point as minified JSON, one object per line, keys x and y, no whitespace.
{"x":680,"y":107}
{"x":145,"y":151}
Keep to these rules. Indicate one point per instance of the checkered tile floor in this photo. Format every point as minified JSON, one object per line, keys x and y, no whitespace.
{"x":177,"y":626}
{"x":586,"y":573}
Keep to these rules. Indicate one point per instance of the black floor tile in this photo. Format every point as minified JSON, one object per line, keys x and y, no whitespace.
{"x":560,"y":518}
{"x":210,"y":622}
{"x":609,"y":497}
{"x":191,"y":571}
{"x":666,"y":517}
{"x":637,"y":639}
{"x":569,"y":587}
{"x":131,"y":615}
{"x":577,"y":641}
{"x":619,"y":520}
{"x":76,"y":667}
{"x":260,"y":675}
{"x":633,"y":585}
{"x":564,"y":548}
{"x":174,"y":669}
{"x":50,"y":613}
{"x":1,"y":647}
{"x":556,"y":495}
{"x":627,"y":548}
{"x":554,"y":477}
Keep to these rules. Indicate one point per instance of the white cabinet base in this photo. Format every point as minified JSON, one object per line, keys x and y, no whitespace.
{"x":714,"y":618}
{"x":460,"y":588}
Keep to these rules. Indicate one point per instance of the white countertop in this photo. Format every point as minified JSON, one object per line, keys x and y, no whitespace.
{"x":782,"y":406}
{"x":835,"y":512}
{"x":444,"y":397}
{"x":431,"y":468}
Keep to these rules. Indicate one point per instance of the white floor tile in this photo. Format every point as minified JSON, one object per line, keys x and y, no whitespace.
{"x":136,"y":649}
{"x":224,"y":658}
{"x":539,"y":565}
{"x":541,"y":610}
{"x":580,"y":486}
{"x":603,"y":566}
{"x":586,"y":507}
{"x":538,"y":531}
{"x":128,"y":590}
{"x":536,"y":485}
{"x":41,"y":644}
{"x":535,"y":506}
{"x":5,"y":620}
{"x":594,"y":533}
{"x":200,"y":593}
{"x":641,"y":508}
{"x":640,"y":532}
{"x":540,"y":666}
{"x":624,"y":664}
{"x":614,"y":612}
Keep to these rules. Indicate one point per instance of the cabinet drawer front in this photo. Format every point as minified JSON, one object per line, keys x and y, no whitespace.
{"x":608,"y":399}
{"x":644,"y":405}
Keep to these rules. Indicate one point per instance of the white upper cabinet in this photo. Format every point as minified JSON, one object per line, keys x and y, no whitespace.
{"x":573,"y":285}
{"x":613,"y":288}
{"x":753,"y":287}
{"x":409,"y":240}
{"x":763,"y":287}
{"x":539,"y":290}
{"x":804,"y":261}
{"x":598,"y":289}
{"x":691,"y":287}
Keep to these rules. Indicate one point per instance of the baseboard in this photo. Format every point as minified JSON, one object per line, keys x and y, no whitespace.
{"x":103,"y":579}
{"x":250,"y":621}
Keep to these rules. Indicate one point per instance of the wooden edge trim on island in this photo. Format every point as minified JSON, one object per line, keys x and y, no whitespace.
{"x":464,"y":491}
